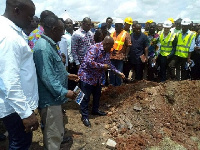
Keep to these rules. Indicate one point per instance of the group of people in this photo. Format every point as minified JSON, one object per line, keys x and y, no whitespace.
{"x":43,"y":59}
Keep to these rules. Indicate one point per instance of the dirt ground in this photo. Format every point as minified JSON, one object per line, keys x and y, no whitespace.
{"x":141,"y":116}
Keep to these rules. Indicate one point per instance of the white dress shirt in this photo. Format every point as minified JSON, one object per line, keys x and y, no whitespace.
{"x":65,"y":47}
{"x":18,"y":80}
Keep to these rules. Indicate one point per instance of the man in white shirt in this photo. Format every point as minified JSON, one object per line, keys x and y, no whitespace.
{"x":18,"y":80}
{"x":65,"y":43}
{"x":109,"y":22}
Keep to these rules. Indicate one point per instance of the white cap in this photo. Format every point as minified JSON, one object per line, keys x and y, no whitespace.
{"x":119,"y":20}
{"x":167,"y":24}
{"x":186,"y":21}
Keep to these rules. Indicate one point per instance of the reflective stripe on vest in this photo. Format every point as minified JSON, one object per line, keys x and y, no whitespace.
{"x":119,"y":40}
{"x":183,"y":45}
{"x":166,"y":44}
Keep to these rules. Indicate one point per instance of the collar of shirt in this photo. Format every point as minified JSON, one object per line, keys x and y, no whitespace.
{"x":11,"y":24}
{"x":188,"y":31}
{"x":48,"y":39}
{"x":52,"y":43}
{"x":40,"y":28}
{"x":68,"y":33}
{"x":83,"y":31}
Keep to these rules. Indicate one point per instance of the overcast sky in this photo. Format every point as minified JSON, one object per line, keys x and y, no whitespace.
{"x":141,"y":10}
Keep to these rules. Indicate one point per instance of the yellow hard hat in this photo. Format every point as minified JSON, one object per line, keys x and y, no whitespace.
{"x":171,"y":19}
{"x":149,"y":21}
{"x":128,"y":20}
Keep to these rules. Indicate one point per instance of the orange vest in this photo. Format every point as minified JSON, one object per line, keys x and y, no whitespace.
{"x":119,"y":40}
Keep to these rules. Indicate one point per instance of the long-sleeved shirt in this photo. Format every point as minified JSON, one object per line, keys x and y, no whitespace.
{"x":81,"y":41}
{"x":18,"y":80}
{"x":92,"y":68}
{"x":52,"y":75}
{"x":65,"y":47}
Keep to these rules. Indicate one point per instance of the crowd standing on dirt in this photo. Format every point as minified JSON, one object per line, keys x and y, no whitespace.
{"x":43,"y":59}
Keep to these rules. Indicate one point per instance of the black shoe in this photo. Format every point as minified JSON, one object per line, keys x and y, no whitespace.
{"x":99,"y":113}
{"x":67,"y":139}
{"x":2,"y":137}
{"x":86,"y":122}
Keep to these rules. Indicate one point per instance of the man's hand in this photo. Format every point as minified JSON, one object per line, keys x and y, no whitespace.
{"x":189,"y":60}
{"x":197,"y":48}
{"x":106,"y":67}
{"x":30,"y":123}
{"x":71,"y":94}
{"x":73,"y":77}
{"x":63,"y":57}
{"x":122,"y":75}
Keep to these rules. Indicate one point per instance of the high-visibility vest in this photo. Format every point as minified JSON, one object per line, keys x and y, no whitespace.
{"x":183,"y":45}
{"x":160,"y":32}
{"x":119,"y":40}
{"x":166,"y":44}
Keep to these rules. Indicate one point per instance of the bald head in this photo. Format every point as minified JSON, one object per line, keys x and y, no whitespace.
{"x":20,"y":12}
{"x":108,"y":39}
{"x":69,"y":25}
{"x":108,"y":43}
{"x":18,"y":3}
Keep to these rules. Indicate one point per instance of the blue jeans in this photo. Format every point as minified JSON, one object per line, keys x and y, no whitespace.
{"x":88,"y":90}
{"x":18,"y":138}
{"x":114,"y":79}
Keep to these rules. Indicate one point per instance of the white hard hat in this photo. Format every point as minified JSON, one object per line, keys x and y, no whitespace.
{"x":186,"y":21}
{"x":167,"y":24}
{"x":119,"y":20}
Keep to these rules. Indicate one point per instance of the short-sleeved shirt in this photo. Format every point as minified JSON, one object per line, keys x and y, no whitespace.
{"x":139,"y":43}
{"x":120,"y":55}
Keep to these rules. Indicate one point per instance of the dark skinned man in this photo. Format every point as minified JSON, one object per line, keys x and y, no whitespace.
{"x":52,"y":82}
{"x":120,"y":50}
{"x":185,"y":46}
{"x":18,"y":80}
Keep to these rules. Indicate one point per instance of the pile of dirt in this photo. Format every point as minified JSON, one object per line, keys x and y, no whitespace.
{"x":147,"y":113}
{"x":141,"y":115}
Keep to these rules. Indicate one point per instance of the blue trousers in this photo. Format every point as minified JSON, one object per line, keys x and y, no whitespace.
{"x":88,"y":90}
{"x":114,"y":79}
{"x":18,"y":138}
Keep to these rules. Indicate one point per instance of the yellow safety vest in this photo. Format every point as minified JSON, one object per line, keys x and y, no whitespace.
{"x":166,"y":44}
{"x":183,"y":45}
{"x":119,"y":40}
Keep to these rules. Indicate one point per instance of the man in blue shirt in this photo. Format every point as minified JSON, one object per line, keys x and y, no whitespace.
{"x":52,"y":82}
{"x":139,"y":48}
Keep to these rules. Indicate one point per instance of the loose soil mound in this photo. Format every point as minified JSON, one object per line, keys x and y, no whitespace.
{"x":142,"y":115}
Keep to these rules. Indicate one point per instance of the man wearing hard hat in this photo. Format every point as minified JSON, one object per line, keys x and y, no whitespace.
{"x":147,"y":24}
{"x":185,"y":45}
{"x":128,"y":21}
{"x":168,"y":43}
{"x":122,"y":42}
